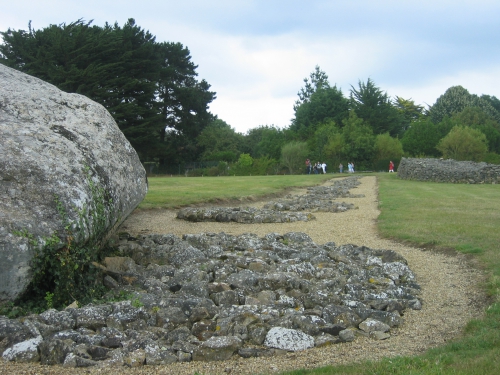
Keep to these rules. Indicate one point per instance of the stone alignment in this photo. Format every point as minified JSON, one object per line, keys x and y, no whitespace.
{"x":440,"y":170}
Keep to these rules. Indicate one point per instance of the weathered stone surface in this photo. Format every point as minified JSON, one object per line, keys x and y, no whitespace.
{"x":288,"y":339}
{"x":25,"y":351}
{"x":439,"y":170}
{"x":52,"y":144}
{"x":217,"y":349}
{"x":371,"y":325}
{"x":243,"y":215}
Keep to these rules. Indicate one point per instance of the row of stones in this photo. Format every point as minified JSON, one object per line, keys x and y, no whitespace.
{"x":207,"y":296}
{"x":318,"y":198}
{"x":439,"y":170}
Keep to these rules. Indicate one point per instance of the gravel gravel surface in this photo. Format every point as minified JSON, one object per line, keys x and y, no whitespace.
{"x":451,"y":291}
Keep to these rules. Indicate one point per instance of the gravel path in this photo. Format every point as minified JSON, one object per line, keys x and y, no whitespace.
{"x":451,"y":291}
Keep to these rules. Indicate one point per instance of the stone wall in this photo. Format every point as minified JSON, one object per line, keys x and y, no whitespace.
{"x":439,"y":170}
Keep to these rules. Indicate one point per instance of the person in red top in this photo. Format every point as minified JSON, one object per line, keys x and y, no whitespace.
{"x":391,"y":167}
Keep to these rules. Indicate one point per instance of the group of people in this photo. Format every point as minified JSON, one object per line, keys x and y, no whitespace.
{"x":350,"y":167}
{"x":321,"y":167}
{"x":316,"y":169}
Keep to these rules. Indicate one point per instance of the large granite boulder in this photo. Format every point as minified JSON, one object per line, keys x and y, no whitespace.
{"x":60,"y":154}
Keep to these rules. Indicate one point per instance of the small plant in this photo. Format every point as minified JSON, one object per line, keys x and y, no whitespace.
{"x":49,"y":299}
{"x":137,"y":303}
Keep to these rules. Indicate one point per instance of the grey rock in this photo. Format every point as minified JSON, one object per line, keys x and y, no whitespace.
{"x":12,"y":332}
{"x":288,"y":339}
{"x":217,"y":349}
{"x":371,"y":325}
{"x":72,"y":361}
{"x":347,"y":335}
{"x":54,"y":352}
{"x":25,"y":351}
{"x":51,"y":143}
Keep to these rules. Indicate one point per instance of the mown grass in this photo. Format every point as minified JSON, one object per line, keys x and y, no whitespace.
{"x":173,"y":192}
{"x":450,"y":216}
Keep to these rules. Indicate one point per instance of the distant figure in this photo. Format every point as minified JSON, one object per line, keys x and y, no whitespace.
{"x":391,"y":167}
{"x":308,"y":166}
{"x":323,"y":166}
{"x":341,"y":167}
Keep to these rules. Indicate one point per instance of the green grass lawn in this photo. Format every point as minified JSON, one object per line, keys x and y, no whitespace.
{"x":173,"y":192}
{"x":452,"y":216}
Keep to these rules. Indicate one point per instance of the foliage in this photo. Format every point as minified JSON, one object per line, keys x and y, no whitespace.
{"x":409,"y":111}
{"x":456,"y":99}
{"x":317,"y":80}
{"x":243,"y":166}
{"x":325,"y":105}
{"x":293,"y":155}
{"x":463,"y":143}
{"x":476,"y":118}
{"x":264,"y":141}
{"x":375,"y":107}
{"x":264,"y":166}
{"x":358,"y":142}
{"x":219,"y":141}
{"x":149,"y":88}
{"x":323,"y":136}
{"x":387,"y":147}
{"x":492,"y":158}
{"x":421,"y":138}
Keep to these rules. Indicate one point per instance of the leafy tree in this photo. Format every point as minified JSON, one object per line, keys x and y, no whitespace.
{"x":264,"y":165}
{"x":321,"y":138}
{"x":463,"y":143}
{"x":317,"y":80}
{"x":184,"y":102}
{"x":333,"y":150}
{"x":293,"y":155}
{"x":456,"y":99}
{"x":476,"y":118}
{"x":387,"y":147}
{"x":358,"y":141}
{"x":494,"y":101}
{"x":409,"y":111}
{"x":243,"y":166}
{"x":219,"y":141}
{"x":421,"y":138}
{"x":326,"y":104}
{"x":264,"y":141}
{"x":375,"y":108}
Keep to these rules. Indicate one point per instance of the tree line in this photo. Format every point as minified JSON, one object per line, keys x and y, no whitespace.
{"x":152,"y":90}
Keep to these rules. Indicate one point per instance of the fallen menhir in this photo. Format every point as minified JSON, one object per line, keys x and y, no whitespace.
{"x":209,"y":296}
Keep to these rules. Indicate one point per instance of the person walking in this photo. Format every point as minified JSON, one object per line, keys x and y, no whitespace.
{"x":341,"y":167}
{"x":391,"y":167}
{"x":308,"y":166}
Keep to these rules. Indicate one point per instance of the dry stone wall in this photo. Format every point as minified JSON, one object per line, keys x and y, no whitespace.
{"x":439,"y":170}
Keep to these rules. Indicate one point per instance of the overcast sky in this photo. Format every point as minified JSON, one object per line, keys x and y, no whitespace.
{"x":256,"y":53}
